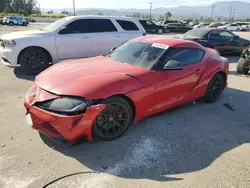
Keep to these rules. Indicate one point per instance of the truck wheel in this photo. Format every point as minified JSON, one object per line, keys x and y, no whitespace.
{"x":242,"y":66}
{"x":34,"y":60}
{"x":11,"y":23}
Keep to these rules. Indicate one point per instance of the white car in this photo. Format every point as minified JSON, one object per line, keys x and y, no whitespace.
{"x":67,"y":38}
{"x":245,"y":26}
{"x":231,"y":27}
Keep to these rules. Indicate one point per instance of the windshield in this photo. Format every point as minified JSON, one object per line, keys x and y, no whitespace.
{"x":196,"y":32}
{"x":139,"y":54}
{"x":56,"y":24}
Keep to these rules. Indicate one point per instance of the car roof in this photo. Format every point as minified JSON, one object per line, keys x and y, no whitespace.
{"x":169,"y":42}
{"x":102,"y":16}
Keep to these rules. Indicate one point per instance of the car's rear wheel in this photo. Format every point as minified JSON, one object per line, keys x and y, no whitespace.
{"x":11,"y":23}
{"x":215,"y":88}
{"x":160,"y":31}
{"x":34,"y":60}
{"x":242,"y":67}
{"x":237,"y":29}
{"x":114,"y":120}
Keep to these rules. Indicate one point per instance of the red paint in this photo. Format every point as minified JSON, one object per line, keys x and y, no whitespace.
{"x":100,"y":78}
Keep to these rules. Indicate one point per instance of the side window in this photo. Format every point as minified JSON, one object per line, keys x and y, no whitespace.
{"x":149,"y":22}
{"x":76,"y":27}
{"x":214,"y":35}
{"x":186,"y":56}
{"x":127,"y":25}
{"x":101,"y":26}
{"x":226,"y":34}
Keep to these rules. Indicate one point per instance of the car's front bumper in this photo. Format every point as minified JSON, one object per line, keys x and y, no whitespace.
{"x":55,"y":125}
{"x":9,"y":56}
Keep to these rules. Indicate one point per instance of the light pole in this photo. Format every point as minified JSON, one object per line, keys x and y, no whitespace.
{"x":212,"y":13}
{"x":230,"y":14}
{"x":74,"y":8}
{"x":150,"y":10}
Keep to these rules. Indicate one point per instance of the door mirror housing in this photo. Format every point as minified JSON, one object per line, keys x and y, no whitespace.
{"x":112,"y":49}
{"x":237,"y":36}
{"x":173,"y":65}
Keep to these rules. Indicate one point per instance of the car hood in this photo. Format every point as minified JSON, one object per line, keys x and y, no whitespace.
{"x":245,"y":41}
{"x":92,"y":78}
{"x":23,"y":34}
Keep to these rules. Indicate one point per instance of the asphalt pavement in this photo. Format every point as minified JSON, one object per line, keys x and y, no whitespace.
{"x":197,"y":145}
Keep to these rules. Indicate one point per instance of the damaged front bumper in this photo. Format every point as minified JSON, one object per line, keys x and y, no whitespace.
{"x":56,"y":125}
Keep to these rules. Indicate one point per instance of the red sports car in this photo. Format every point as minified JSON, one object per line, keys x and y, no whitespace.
{"x":100,"y":97}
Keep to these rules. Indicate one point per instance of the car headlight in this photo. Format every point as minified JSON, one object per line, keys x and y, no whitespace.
{"x":9,"y":43}
{"x":65,"y":105}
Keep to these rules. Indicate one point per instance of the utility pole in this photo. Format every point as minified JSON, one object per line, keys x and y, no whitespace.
{"x":74,"y":8}
{"x":212,"y":13}
{"x":233,"y":15}
{"x":150,"y":10}
{"x":230,"y":14}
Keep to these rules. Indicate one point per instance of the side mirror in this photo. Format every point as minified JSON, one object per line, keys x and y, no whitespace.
{"x":237,"y":37}
{"x":173,"y":65}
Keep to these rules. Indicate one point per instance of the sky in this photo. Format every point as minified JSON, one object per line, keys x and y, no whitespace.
{"x":115,"y":4}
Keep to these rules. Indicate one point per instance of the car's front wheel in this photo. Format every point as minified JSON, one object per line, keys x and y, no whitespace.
{"x":114,"y":120}
{"x":215,"y":88}
{"x":237,"y":29}
{"x":160,"y":31}
{"x":11,"y":23}
{"x":34,"y":60}
{"x":242,"y":67}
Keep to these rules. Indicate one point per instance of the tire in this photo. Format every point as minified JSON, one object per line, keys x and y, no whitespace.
{"x":160,"y":31}
{"x":237,"y":29}
{"x":241,"y":66}
{"x":34,"y":60}
{"x":113,"y":128}
{"x":215,"y":88}
{"x":11,"y":23}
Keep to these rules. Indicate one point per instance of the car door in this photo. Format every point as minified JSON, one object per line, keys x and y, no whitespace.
{"x":129,"y":27}
{"x":221,"y":44}
{"x":74,"y":40}
{"x":233,"y":44}
{"x":150,"y":25}
{"x":105,"y":36}
{"x":174,"y":85}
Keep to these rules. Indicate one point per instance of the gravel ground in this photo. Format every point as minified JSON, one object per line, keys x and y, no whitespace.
{"x":197,"y":145}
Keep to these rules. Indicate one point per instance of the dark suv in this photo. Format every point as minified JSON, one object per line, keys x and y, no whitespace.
{"x":151,"y":27}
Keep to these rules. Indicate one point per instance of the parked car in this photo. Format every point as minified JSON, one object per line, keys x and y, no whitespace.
{"x":214,"y":25}
{"x":243,"y":65}
{"x":15,"y":21}
{"x":224,"y":41}
{"x":67,"y":38}
{"x":151,"y":27}
{"x":201,"y":25}
{"x":171,"y":21}
{"x":31,"y":20}
{"x":177,"y":27}
{"x":245,"y":26}
{"x":100,"y":97}
{"x":231,"y":27}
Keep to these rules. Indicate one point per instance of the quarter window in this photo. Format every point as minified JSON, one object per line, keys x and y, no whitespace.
{"x":101,"y":26}
{"x":186,"y":56}
{"x":127,"y":25}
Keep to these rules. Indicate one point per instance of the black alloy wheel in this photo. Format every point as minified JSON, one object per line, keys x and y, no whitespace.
{"x":114,"y":120}
{"x":160,"y":31}
{"x":34,"y":61}
{"x":215,"y":88}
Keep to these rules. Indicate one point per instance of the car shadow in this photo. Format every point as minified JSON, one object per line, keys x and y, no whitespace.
{"x":19,"y":73}
{"x":178,"y":141}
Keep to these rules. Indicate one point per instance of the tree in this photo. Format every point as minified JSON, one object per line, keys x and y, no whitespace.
{"x":168,"y":15}
{"x":2,"y":5}
{"x":50,"y":12}
{"x":25,"y":7}
{"x":64,"y":12}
